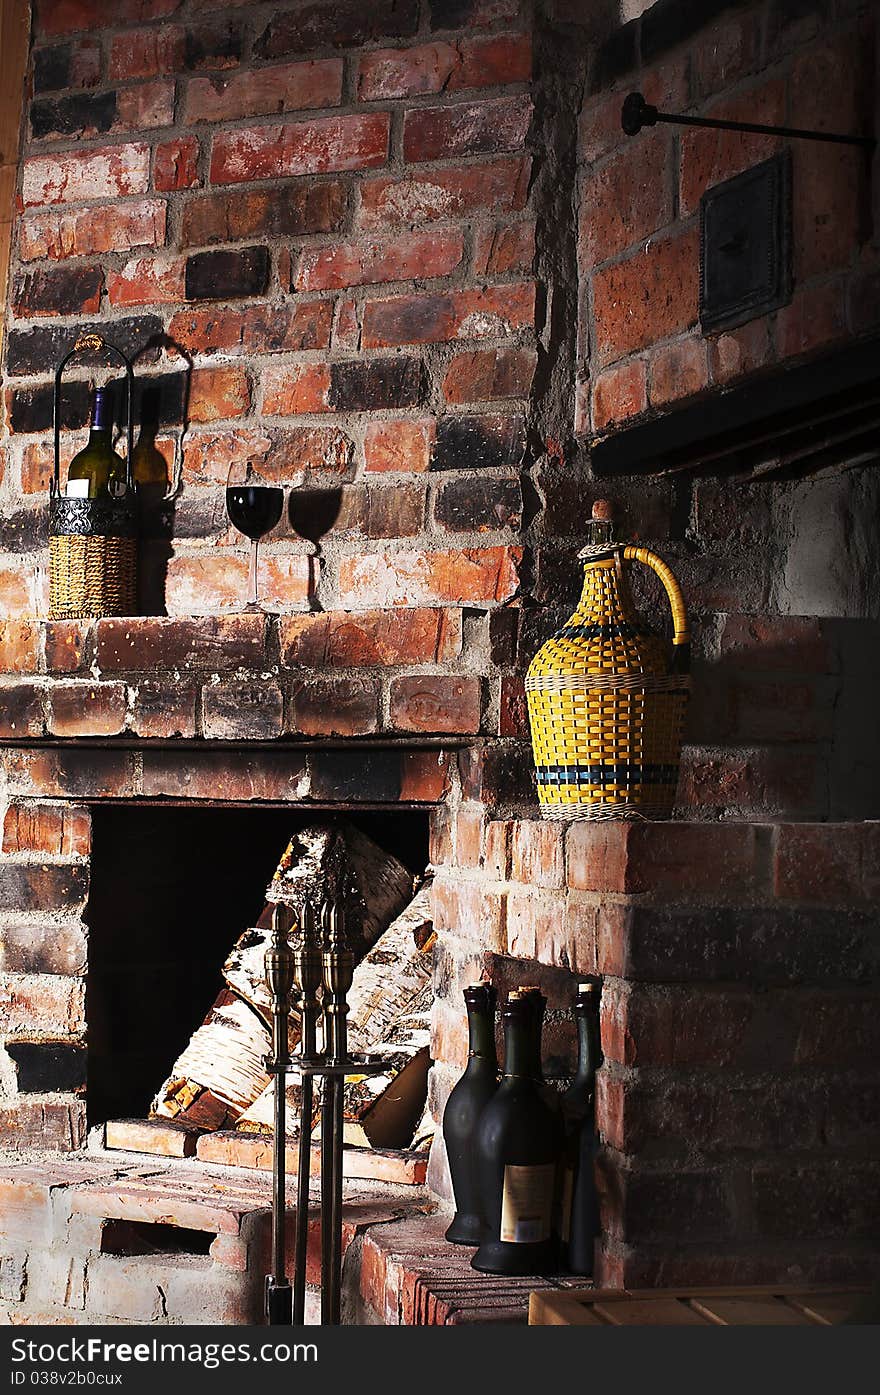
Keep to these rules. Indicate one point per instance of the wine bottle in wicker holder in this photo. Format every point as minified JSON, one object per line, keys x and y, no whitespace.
{"x":92,"y":542}
{"x":606,"y":701}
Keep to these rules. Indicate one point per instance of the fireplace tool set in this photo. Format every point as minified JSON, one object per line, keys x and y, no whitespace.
{"x":308,"y":959}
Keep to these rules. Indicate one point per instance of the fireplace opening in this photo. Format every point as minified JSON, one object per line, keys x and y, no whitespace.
{"x":172,"y":889}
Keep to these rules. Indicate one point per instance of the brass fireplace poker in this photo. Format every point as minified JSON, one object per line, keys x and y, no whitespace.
{"x":319,"y":958}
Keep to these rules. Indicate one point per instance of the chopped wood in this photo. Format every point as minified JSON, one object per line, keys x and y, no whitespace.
{"x":252,"y":1150}
{"x":221,"y":1071}
{"x":161,"y":1138}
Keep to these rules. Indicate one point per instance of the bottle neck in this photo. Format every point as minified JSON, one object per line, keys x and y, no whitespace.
{"x":589,"y":1050}
{"x":605,"y":597}
{"x":100,"y":436}
{"x":519,"y":1050}
{"x":481,"y":1033}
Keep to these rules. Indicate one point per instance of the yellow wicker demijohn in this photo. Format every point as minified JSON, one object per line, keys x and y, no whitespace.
{"x":606,"y":700}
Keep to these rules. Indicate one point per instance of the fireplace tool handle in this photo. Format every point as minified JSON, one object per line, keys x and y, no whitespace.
{"x":307,"y":970}
{"x":338,"y":971}
{"x":279,"y":977}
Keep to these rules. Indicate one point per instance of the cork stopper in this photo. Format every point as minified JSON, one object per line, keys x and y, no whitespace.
{"x":603,"y":510}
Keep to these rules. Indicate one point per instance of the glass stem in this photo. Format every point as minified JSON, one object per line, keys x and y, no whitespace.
{"x":252,"y":573}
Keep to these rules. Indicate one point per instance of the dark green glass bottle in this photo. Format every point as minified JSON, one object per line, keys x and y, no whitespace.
{"x":97,"y":470}
{"x":463,"y":1109}
{"x":518,"y":1145}
{"x":580,"y":1208}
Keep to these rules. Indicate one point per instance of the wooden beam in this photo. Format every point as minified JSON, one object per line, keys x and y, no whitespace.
{"x":15,"y":29}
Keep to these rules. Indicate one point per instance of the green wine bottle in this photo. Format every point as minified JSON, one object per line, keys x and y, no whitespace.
{"x":519,"y":1140}
{"x":466,"y":1103}
{"x":580,"y":1218}
{"x":97,"y":470}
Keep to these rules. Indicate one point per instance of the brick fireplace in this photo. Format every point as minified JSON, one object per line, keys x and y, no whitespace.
{"x":417,"y":272}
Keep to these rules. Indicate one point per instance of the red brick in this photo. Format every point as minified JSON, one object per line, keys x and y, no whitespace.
{"x":87,"y":709}
{"x":504,"y":248}
{"x":254,"y":329}
{"x":796,"y":643}
{"x":67,"y":645}
{"x":289,"y":391}
{"x":80,"y":61}
{"x":147,"y":281}
{"x":152,"y":643}
{"x":816,"y":316}
{"x":265,"y":91}
{"x":677,"y":371}
{"x":428,"y":578}
{"x":56,"y":1125}
{"x":347,"y":328}
{"x":536,"y":927}
{"x":61,"y":830}
{"x":216,"y":393}
{"x":818,"y":862}
{"x":60,"y":773}
{"x":58,"y":291}
{"x":648,"y":296}
{"x":724,"y":53}
{"x":499,"y":185}
{"x":403,"y":445}
{"x":740,"y":351}
{"x":16,"y":591}
{"x":497,"y":855}
{"x":618,"y":393}
{"x":436,"y":703}
{"x":19,"y":646}
{"x":335,"y":707}
{"x":470,"y":910}
{"x":21,"y":709}
{"x":67,"y":16}
{"x":283,"y":211}
{"x":683,"y":858}
{"x":478,"y":128}
{"x":538,"y":853}
{"x":647,"y":1025}
{"x":481,"y":375}
{"x":141,"y":53}
{"x":709,"y":156}
{"x":468,"y":836}
{"x":106,"y":173}
{"x":424,"y":776}
{"x":175,"y":165}
{"x":468,"y":314}
{"x":414,"y":256}
{"x":444,"y":67}
{"x":306,"y":147}
{"x":86,"y":232}
{"x":162,"y":709}
{"x":150,"y":104}
{"x":513,"y":714}
{"x":628,"y":198}
{"x":370,"y":638}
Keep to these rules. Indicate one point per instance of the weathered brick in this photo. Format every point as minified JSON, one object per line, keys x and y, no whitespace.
{"x":682,"y":858}
{"x":436,"y":703}
{"x":68,"y":16}
{"x":288,"y":210}
{"x":86,"y":232}
{"x":478,"y":442}
{"x":242,"y":711}
{"x":63,"y":830}
{"x":19,"y":646}
{"x":478,"y":128}
{"x":397,"y":259}
{"x":175,"y":165}
{"x":537,"y":853}
{"x":65,"y":291}
{"x":677,"y":371}
{"x":227,"y":275}
{"x":403,"y":445}
{"x":87,"y":114}
{"x":450,"y":14}
{"x":618,"y":393}
{"x":265,"y":91}
{"x":370,"y":638}
{"x":57,"y":1126}
{"x":155,"y":643}
{"x":816,"y":316}
{"x":628,"y":198}
{"x":487,"y":313}
{"x":141,"y":53}
{"x":472,"y":504}
{"x":147,"y":281}
{"x":443,"y":67}
{"x":75,"y":64}
{"x":480,"y":375}
{"x":470,"y":910}
{"x":107,"y":173}
{"x":648,"y":296}
{"x":499,"y":185}
{"x":28,"y":351}
{"x":818,"y":863}
{"x":206,"y":586}
{"x":343,"y":23}
{"x":833,"y":1197}
{"x":21,"y":709}
{"x":739,"y":351}
{"x":306,"y":147}
{"x":428,"y":578}
{"x":708,"y":156}
{"x":506,"y":247}
{"x":70,"y":773}
{"x":254,"y":329}
{"x":87,"y":709}
{"x":34,"y":886}
{"x":47,"y":947}
{"x":164,"y":708}
{"x":335,"y":707}
{"x":217,"y":393}
{"x":42,"y":1066}
{"x":353,"y":386}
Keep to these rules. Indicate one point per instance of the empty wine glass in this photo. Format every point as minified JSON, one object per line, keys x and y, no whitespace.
{"x":254,"y":507}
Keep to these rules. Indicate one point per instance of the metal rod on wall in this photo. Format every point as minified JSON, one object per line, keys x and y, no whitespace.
{"x":636,"y":113}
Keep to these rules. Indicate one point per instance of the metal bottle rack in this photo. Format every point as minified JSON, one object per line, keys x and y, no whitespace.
{"x":318,"y":960}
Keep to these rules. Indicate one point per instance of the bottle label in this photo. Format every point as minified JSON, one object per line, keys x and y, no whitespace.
{"x":527,"y":1203}
{"x":77,"y":489}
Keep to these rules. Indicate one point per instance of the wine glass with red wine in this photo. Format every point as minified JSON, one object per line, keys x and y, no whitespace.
{"x":254,"y":507}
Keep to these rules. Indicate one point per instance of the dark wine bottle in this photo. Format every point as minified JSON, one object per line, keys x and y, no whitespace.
{"x":580,"y":1208}
{"x":519,"y":1140}
{"x":97,"y":469}
{"x":463,"y":1109}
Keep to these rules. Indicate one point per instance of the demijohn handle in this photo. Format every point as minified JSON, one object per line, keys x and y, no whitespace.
{"x":681,"y":639}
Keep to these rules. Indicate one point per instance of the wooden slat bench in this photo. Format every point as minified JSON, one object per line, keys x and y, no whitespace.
{"x":719,"y":1307}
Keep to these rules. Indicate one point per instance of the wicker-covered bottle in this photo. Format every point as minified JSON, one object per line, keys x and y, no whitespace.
{"x":606,"y":699}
